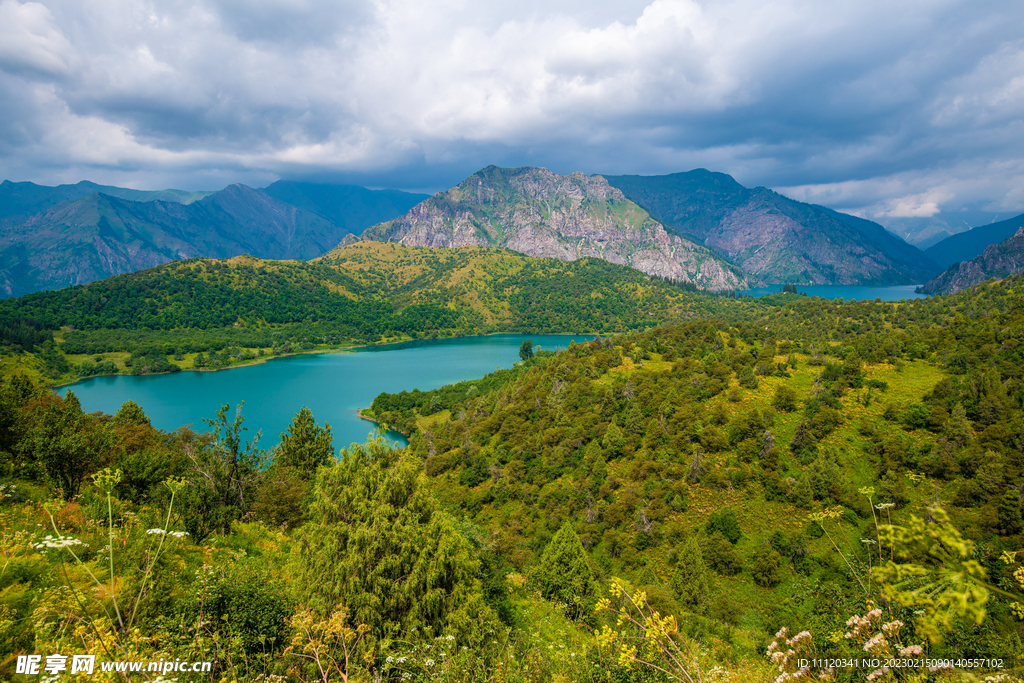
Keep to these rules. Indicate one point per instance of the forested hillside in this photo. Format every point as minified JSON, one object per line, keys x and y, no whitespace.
{"x":712,"y":499}
{"x":243,"y":308}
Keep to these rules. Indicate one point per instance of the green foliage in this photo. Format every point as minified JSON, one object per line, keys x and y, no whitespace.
{"x":724,"y":522}
{"x":784,"y":400}
{"x":239,"y":602}
{"x":689,"y":581}
{"x":766,"y":567}
{"x":377,"y":543}
{"x":305,"y":446}
{"x":526,"y":350}
{"x":224,"y":477}
{"x":67,"y":443}
{"x":130,"y":413}
{"x":1009,"y":513}
{"x":933,"y":572}
{"x":564,"y":574}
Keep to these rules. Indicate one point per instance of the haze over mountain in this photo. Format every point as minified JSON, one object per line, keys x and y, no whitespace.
{"x":997,"y":261}
{"x":774,"y":238}
{"x":350,"y":207}
{"x":540,"y":213}
{"x":53,"y":237}
{"x":21,"y":201}
{"x":967,"y":245}
{"x":97,"y":236}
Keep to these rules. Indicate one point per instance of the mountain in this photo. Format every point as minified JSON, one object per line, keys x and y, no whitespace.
{"x":775,"y":238}
{"x":924,"y":232}
{"x":997,"y":261}
{"x":540,"y":213}
{"x":972,"y":243}
{"x":96,"y":236}
{"x":350,"y":207}
{"x":20,"y":201}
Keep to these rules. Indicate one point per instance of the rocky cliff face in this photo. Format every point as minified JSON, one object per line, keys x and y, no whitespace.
{"x":776,"y":238}
{"x":997,"y":261}
{"x":540,"y":213}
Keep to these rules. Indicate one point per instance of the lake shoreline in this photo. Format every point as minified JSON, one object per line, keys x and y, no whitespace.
{"x":337,"y":387}
{"x":331,"y":349}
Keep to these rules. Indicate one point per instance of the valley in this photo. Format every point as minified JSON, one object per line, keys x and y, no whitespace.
{"x":698,"y":467}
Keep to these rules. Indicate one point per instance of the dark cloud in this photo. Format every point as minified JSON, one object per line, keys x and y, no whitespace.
{"x":895,"y":110}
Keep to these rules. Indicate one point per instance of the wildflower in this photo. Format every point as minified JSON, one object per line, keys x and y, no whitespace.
{"x":912,"y":651}
{"x":876,"y":644}
{"x":429,"y":662}
{"x":58,"y":542}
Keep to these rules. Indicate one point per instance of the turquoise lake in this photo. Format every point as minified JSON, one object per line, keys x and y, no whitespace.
{"x":333,"y":385}
{"x":848,"y":292}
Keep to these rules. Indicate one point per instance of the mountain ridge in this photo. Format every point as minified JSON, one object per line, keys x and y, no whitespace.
{"x":540,"y":213}
{"x":98,"y":235}
{"x":997,"y":261}
{"x":773,"y":237}
{"x":967,"y":245}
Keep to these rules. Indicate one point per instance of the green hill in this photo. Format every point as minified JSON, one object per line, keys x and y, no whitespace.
{"x":711,"y":499}
{"x":362,"y":293}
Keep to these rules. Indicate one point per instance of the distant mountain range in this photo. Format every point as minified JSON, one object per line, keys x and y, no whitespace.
{"x":699,"y":226}
{"x":996,"y":261}
{"x":967,"y":245}
{"x":52,"y":237}
{"x":774,"y":238}
{"x":544,"y":214}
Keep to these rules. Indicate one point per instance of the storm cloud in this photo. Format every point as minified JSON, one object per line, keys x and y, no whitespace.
{"x":889,"y":109}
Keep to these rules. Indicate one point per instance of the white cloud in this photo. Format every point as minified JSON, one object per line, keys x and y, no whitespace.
{"x":885,"y":108}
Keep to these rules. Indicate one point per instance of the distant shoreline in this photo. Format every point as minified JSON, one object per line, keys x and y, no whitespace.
{"x":336,"y":349}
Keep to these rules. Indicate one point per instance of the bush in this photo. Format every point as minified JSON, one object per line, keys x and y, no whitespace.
{"x":724,"y":522}
{"x":766,"y":567}
{"x":242,"y":603}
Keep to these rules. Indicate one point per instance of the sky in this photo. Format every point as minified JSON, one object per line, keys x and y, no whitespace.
{"x":892,"y":110}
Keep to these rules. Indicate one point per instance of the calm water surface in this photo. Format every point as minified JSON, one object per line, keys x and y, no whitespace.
{"x":333,"y":385}
{"x":848,"y":292}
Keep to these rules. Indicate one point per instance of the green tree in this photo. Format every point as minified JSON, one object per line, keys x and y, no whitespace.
{"x":378,"y":543}
{"x":130,"y":413}
{"x":564,"y":573}
{"x":305,"y":446}
{"x":690,"y":580}
{"x":785,"y":399}
{"x":766,"y":567}
{"x":724,"y":522}
{"x":526,"y":350}
{"x":1009,"y":513}
{"x":66,"y":442}
{"x":224,"y":477}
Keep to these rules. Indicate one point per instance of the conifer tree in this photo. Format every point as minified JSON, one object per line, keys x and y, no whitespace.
{"x":690,"y":580}
{"x":305,"y":446}
{"x":377,"y":544}
{"x":564,"y":573}
{"x":1009,"y":513}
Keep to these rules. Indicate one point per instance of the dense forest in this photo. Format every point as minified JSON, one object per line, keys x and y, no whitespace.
{"x":209,"y":313}
{"x":755,"y":483}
